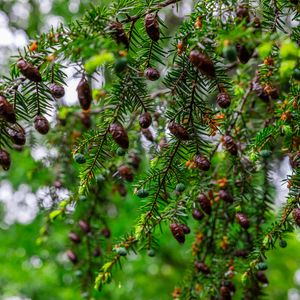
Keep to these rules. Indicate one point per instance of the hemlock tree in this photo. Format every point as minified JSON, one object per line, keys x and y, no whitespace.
{"x":192,"y":115}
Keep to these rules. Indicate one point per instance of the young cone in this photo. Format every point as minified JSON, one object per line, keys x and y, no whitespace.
{"x":179,"y":131}
{"x":29,"y":71}
{"x":41,"y":124}
{"x":203,"y":63}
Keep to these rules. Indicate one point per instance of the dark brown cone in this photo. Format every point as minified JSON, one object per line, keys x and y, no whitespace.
{"x":84,"y":94}
{"x":145,"y":120}
{"x":148,"y":134}
{"x":274,"y":93}
{"x":41,"y":124}
{"x":225,"y":293}
{"x":119,"y":135}
{"x":223,"y":100}
{"x":7,"y":111}
{"x":152,"y":27}
{"x":262,"y":94}
{"x":17,"y":136}
{"x":241,"y":253}
{"x":85,"y":119}
{"x":202,"y":162}
{"x":261,"y":277}
{"x":203,"y":63}
{"x":106,"y":232}
{"x":119,"y":33}
{"x":224,"y":195}
{"x":243,"y":53}
{"x":204,"y":203}
{"x":197,"y":214}
{"x":122,"y":190}
{"x":242,"y":220}
{"x":74,"y":237}
{"x":57,"y":90}
{"x":29,"y":71}
{"x":242,"y":13}
{"x":230,"y":145}
{"x":126,"y":173}
{"x":84,"y":226}
{"x":4,"y":159}
{"x":135,"y":160}
{"x":151,"y":74}
{"x":179,"y":131}
{"x":296,"y":215}
{"x":72,"y":256}
{"x":186,"y":229}
{"x":202,"y":267}
{"x":97,"y":252}
{"x":177,"y":232}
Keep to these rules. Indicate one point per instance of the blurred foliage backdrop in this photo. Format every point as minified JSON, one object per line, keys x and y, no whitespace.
{"x":31,"y":270}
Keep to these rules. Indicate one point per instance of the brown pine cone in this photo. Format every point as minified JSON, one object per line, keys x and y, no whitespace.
{"x":197,"y":214}
{"x":177,"y":232}
{"x":242,"y":13}
{"x":203,"y":63}
{"x":296,"y":215}
{"x":41,"y":124}
{"x":261,"y":277}
{"x":145,"y":120}
{"x":84,"y":94}
{"x":85,"y":119}
{"x":29,"y":71}
{"x":223,"y":100}
{"x":72,"y":256}
{"x":242,"y":220}
{"x":119,"y":33}
{"x":186,"y":229}
{"x":148,"y":134}
{"x":119,"y":135}
{"x":57,"y":90}
{"x":243,"y":53}
{"x":74,"y":237}
{"x":204,"y":203}
{"x":151,"y":74}
{"x":226,"y":196}
{"x":106,"y":232}
{"x":126,"y":173}
{"x":7,"y":111}
{"x":17,"y":136}
{"x":152,"y":27}
{"x":202,"y":267}
{"x":5,"y":159}
{"x":202,"y":162}
{"x":84,"y":226}
{"x":230,"y":145}
{"x":225,"y":293}
{"x":135,"y":160}
{"x":179,"y":131}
